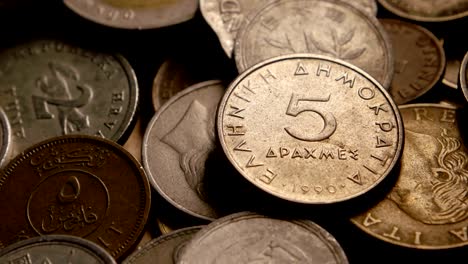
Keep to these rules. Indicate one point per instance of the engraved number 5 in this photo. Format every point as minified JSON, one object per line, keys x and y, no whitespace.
{"x":298,"y":105}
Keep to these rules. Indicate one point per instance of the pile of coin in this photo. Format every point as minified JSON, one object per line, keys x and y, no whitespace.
{"x":233,"y":131}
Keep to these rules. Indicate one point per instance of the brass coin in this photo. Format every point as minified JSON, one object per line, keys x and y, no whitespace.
{"x":427,"y":11}
{"x":76,"y":185}
{"x":53,"y":249}
{"x":5,"y":137}
{"x":426,"y":208}
{"x":252,"y":238}
{"x":463,"y":76}
{"x":310,"y":129}
{"x":135,"y":14}
{"x":419,"y":60}
{"x":327,"y":27}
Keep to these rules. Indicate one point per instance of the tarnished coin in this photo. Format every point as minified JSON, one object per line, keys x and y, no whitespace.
{"x":419,"y":60}
{"x":327,"y":27}
{"x":427,"y":207}
{"x":164,"y":249}
{"x":135,"y":14}
{"x":427,"y":11}
{"x":5,"y":137}
{"x":252,"y":238}
{"x":76,"y":185}
{"x":310,"y":129}
{"x":49,"y":88}
{"x":463,"y":76}
{"x":53,"y":249}
{"x":177,"y":143}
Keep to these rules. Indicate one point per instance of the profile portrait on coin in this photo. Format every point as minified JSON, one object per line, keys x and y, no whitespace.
{"x":433,"y":183}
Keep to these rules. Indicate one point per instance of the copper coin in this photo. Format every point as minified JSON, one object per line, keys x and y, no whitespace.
{"x":253,"y":238}
{"x":135,"y":14}
{"x":310,"y":129}
{"x":463,"y":76}
{"x":50,"y":88}
{"x":53,"y":249}
{"x":177,"y":143}
{"x":427,"y":207}
{"x":76,"y":185}
{"x":5,"y":137}
{"x":164,"y":249}
{"x":327,"y":27}
{"x":419,"y":60}
{"x":427,"y":11}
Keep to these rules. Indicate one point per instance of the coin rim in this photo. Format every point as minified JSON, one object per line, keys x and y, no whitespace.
{"x":400,"y":13}
{"x":462,"y":76}
{"x":6,"y":140}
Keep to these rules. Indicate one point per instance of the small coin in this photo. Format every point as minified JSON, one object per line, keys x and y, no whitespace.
{"x":5,"y":137}
{"x":310,"y":129}
{"x":419,"y":60}
{"x":252,"y":238}
{"x":55,"y":249}
{"x":427,"y":11}
{"x":76,"y":185}
{"x":177,"y":143}
{"x":135,"y":14}
{"x":164,"y":249}
{"x":463,"y":76}
{"x":426,"y":208}
{"x":327,"y":27}
{"x":49,"y":88}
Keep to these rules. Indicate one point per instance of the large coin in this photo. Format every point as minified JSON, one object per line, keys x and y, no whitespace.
{"x":252,"y":238}
{"x":55,"y":249}
{"x":164,"y":249}
{"x":427,"y":11}
{"x":463,"y":76}
{"x":75,"y":185}
{"x":328,"y":27}
{"x":426,"y":208}
{"x":5,"y":137}
{"x":135,"y":14}
{"x":419,"y":60}
{"x":49,"y":88}
{"x":310,"y":129}
{"x":177,"y":143}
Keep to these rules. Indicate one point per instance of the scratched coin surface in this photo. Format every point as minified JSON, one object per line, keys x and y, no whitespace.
{"x":5,"y":137}
{"x":135,"y":14}
{"x":419,"y":60}
{"x":252,"y":238}
{"x":177,"y":143}
{"x":426,"y":208}
{"x":310,"y":129}
{"x":463,"y":76}
{"x":327,"y":27}
{"x":164,"y":249}
{"x":49,"y":88}
{"x":75,"y":185}
{"x":427,"y":11}
{"x":53,"y":249}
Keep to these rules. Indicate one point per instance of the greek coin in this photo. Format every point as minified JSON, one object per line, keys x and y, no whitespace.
{"x":55,"y":249}
{"x":177,"y":143}
{"x":49,"y":88}
{"x":427,"y":11}
{"x":135,"y":14}
{"x":226,"y":16}
{"x":164,"y":249}
{"x":463,"y":76}
{"x":426,"y":208}
{"x":251,"y":238}
{"x":5,"y":137}
{"x":310,"y":129}
{"x":419,"y":60}
{"x":77,"y":185}
{"x":327,"y":27}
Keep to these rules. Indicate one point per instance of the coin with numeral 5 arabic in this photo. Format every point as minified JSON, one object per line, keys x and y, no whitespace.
{"x":310,"y":129}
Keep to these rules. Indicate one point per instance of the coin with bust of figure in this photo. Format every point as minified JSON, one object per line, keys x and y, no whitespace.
{"x":332,"y":28}
{"x":427,"y":207}
{"x":427,"y":10}
{"x":310,"y":129}
{"x":135,"y":14}
{"x":5,"y":137}
{"x":75,"y":185}
{"x":252,"y":238}
{"x":53,"y":249}
{"x":50,"y":88}
{"x":463,"y":76}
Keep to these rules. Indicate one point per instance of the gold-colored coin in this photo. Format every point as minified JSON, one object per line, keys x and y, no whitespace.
{"x":310,"y":129}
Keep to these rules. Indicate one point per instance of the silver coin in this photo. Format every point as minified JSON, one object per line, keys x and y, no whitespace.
{"x":55,"y":249}
{"x":5,"y":134}
{"x":50,"y":88}
{"x":253,"y":238}
{"x":177,"y":143}
{"x":164,"y":249}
